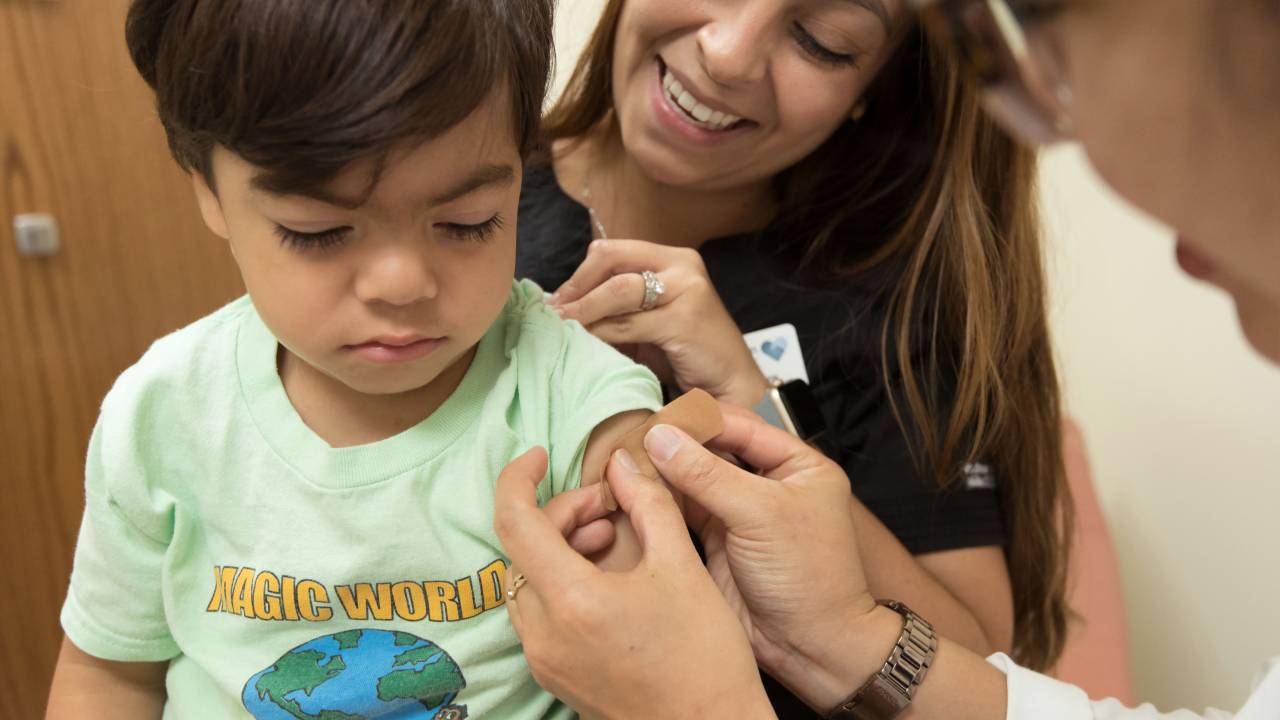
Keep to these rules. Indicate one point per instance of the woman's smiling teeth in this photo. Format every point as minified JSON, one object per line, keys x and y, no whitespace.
{"x":698,"y":113}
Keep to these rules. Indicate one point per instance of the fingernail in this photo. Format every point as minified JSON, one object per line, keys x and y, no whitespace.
{"x":662,"y":443}
{"x":627,"y":462}
{"x":559,"y":310}
{"x":554,"y":299}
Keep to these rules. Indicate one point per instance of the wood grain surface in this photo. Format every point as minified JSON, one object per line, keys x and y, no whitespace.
{"x":79,"y":140}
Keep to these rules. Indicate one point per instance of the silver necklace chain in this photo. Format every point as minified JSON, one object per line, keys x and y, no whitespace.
{"x":591,"y":210}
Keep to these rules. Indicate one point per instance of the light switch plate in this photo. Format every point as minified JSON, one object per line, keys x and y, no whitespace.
{"x":36,"y":234}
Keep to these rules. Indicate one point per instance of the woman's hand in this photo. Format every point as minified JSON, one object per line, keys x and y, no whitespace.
{"x":687,"y":339}
{"x":781,"y":544}
{"x":654,"y":641}
{"x":660,"y":640}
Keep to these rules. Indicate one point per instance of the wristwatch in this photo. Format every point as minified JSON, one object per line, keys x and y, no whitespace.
{"x":890,"y":691}
{"x":790,"y":406}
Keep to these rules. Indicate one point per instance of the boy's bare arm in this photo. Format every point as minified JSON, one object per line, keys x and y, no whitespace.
{"x":86,"y":686}
{"x":695,"y":412}
{"x":624,"y":553}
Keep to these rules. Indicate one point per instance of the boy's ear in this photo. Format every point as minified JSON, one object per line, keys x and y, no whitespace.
{"x":210,"y":206}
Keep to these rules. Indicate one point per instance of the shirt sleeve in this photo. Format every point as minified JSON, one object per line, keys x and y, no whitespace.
{"x":1033,"y":696}
{"x":593,"y":383}
{"x":115,"y":607}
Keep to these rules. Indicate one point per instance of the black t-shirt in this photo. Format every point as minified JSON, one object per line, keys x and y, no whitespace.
{"x":839,"y":331}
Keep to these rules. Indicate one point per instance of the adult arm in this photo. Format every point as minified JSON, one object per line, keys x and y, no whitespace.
{"x":86,"y":686}
{"x":966,"y":593}
{"x":691,"y":340}
{"x":825,"y":650}
{"x":659,"y":640}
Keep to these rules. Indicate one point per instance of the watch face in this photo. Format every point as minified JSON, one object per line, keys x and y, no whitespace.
{"x":805,"y":414}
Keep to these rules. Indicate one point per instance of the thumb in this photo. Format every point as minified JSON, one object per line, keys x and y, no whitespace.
{"x":723,"y":489}
{"x":651,"y":509}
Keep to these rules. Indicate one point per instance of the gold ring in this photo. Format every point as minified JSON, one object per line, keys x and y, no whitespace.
{"x":517,"y":582}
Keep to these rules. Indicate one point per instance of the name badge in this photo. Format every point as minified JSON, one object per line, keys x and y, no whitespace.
{"x":777,"y":352}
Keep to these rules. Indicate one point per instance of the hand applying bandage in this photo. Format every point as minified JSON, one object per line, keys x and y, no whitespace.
{"x":695,"y":412}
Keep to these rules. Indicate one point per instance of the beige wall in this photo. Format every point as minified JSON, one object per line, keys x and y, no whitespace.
{"x":1183,"y":423}
{"x":574,"y":21}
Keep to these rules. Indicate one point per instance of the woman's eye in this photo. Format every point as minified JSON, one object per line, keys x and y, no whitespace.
{"x":312,"y":242}
{"x":480,"y":232}
{"x":818,"y":51}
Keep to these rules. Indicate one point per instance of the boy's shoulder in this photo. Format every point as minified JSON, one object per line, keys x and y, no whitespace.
{"x":189,"y":365}
{"x":536,"y":336}
{"x":561,"y":362}
{"x":528,"y":318}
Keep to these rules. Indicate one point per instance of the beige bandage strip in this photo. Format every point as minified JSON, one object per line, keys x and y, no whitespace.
{"x":695,"y":412}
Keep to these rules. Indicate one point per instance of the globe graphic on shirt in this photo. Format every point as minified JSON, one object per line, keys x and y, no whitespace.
{"x":359,"y":674}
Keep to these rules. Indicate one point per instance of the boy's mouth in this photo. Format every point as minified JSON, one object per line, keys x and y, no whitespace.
{"x":389,"y":350}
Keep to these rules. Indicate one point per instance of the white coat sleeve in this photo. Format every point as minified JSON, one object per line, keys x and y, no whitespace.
{"x":1033,"y":696}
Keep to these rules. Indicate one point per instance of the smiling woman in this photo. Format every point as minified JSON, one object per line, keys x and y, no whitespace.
{"x":819,"y":163}
{"x":1178,"y":104}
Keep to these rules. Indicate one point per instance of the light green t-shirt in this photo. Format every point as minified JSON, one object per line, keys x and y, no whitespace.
{"x":283,"y":578}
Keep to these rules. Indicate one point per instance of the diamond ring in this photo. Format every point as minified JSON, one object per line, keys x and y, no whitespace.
{"x":653,"y":290}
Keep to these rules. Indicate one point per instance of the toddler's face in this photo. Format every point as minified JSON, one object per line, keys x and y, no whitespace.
{"x":387,"y":295}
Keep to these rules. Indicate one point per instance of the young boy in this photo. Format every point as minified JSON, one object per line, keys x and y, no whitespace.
{"x":289,"y":502}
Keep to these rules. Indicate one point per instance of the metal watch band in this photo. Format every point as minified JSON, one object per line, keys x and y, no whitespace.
{"x":890,"y":691}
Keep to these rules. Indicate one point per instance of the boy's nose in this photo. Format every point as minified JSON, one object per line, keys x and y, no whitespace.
{"x":398,"y":276}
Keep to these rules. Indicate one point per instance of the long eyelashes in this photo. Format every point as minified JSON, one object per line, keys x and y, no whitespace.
{"x":331,"y":238}
{"x":312,"y":242}
{"x":480,"y":232}
{"x":818,"y":51}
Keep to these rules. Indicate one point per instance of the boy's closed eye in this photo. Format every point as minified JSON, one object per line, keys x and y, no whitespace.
{"x":332,"y":238}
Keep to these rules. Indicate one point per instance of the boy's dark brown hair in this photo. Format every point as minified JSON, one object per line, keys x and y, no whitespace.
{"x":304,"y":88}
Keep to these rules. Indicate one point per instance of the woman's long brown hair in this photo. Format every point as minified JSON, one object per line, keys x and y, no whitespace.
{"x":930,"y":202}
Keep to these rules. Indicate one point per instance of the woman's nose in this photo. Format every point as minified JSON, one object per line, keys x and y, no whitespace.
{"x":733,"y":46}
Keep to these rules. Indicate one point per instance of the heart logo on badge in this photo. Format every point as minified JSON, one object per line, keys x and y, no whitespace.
{"x":775,"y":348}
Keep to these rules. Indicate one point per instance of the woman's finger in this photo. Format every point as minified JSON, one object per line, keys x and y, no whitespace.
{"x":575,"y":509}
{"x":526,"y":608}
{"x":653,"y":512}
{"x":617,"y":295}
{"x":722,"y":488}
{"x":606,"y":258}
{"x":593,"y":537}
{"x":640,"y":328}
{"x":528,"y":533}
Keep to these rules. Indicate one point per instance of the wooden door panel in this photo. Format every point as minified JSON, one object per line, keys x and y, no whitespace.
{"x":79,"y":140}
